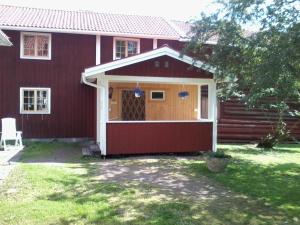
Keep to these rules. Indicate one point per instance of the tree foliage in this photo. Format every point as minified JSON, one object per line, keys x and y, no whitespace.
{"x":253,"y":65}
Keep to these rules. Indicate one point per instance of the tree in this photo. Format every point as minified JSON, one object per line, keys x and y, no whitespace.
{"x":259,"y":65}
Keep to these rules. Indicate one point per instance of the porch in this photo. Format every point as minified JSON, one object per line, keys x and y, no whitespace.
{"x":168,"y":108}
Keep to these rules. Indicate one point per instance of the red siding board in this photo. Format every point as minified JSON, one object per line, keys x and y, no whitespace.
{"x":72,"y":104}
{"x":146,"y":45}
{"x":140,"y":138}
{"x":106,"y":49}
{"x":176,"y":69}
{"x":238,"y":124}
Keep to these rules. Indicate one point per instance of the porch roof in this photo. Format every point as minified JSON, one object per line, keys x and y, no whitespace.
{"x":4,"y":41}
{"x":93,"y":72}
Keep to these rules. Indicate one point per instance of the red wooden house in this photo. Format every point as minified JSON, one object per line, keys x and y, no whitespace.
{"x":118,"y":79}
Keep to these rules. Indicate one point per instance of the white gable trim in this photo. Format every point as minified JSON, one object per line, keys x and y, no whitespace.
{"x":4,"y":41}
{"x":100,"y":69}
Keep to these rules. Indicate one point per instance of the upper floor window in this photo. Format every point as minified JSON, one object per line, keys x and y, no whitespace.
{"x":35,"y":46}
{"x":35,"y":100}
{"x":124,"y":47}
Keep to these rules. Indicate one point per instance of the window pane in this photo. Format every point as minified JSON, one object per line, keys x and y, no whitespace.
{"x":42,"y":45}
{"x":29,"y":45}
{"x":204,"y":101}
{"x":28,"y":101}
{"x":120,"y":49}
{"x":132,"y":48}
{"x":42,"y":100}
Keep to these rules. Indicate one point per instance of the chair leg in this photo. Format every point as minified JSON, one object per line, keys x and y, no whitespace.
{"x":4,"y":144}
{"x":1,"y":143}
{"x":21,"y":142}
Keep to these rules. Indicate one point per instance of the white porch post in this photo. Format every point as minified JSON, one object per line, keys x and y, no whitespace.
{"x":212,"y":111}
{"x":98,"y":105}
{"x":98,"y":61}
{"x":102,"y":103}
{"x":199,"y":103}
{"x":103,"y":114}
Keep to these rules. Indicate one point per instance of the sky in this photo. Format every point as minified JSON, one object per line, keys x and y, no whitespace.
{"x":170,"y":9}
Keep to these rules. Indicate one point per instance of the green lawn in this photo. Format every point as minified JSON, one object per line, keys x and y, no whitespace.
{"x":271,"y":176}
{"x":44,"y":190}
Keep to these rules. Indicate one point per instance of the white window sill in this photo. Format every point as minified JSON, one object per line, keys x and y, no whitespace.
{"x":35,"y":58}
{"x":35,"y":113}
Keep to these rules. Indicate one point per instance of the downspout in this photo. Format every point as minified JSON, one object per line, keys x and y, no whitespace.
{"x":101,"y":88}
{"x":84,"y":80}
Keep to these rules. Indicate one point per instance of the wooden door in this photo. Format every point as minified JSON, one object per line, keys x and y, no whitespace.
{"x":132,"y":108}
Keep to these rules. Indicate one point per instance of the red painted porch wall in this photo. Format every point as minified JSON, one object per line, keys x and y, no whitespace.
{"x":141,"y":138}
{"x":176,"y":69}
{"x":72,"y":103}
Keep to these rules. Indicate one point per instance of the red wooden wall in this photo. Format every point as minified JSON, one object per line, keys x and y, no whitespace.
{"x":139,"y":138}
{"x":176,"y":69}
{"x":146,"y":44}
{"x":72,"y":103}
{"x":238,"y":124}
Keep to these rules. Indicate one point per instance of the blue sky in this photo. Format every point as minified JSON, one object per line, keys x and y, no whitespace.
{"x":171,"y":9}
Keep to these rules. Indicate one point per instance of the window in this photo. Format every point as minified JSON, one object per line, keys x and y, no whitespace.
{"x":157,"y":95}
{"x":35,"y":46}
{"x":125,"y":47}
{"x":35,"y":100}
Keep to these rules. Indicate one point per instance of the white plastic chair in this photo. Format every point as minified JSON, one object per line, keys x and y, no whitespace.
{"x":9,"y":132}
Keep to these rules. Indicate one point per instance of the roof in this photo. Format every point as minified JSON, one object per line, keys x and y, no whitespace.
{"x":37,"y":19}
{"x":165,"y":50}
{"x":4,"y":41}
{"x":186,"y":27}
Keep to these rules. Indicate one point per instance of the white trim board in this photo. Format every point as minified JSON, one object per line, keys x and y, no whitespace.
{"x":100,"y":69}
{"x":162,"y":80}
{"x":163,"y":121}
{"x":87,"y":32}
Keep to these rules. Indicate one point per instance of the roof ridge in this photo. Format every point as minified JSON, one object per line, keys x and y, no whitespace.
{"x":176,"y":28}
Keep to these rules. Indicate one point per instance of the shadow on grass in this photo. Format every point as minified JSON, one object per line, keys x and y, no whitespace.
{"x":133,"y":195}
{"x":125,"y":203}
{"x":274,"y":185}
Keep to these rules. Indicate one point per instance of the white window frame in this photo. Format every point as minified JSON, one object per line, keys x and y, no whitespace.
{"x":22,"y":111}
{"x":154,"y":99}
{"x":126,"y":46}
{"x":22,"y":56}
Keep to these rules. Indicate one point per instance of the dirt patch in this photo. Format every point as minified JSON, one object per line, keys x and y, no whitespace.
{"x":162,"y":172}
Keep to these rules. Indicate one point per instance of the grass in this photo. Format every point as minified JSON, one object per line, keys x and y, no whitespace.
{"x":68,"y":193}
{"x":271,"y":176}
